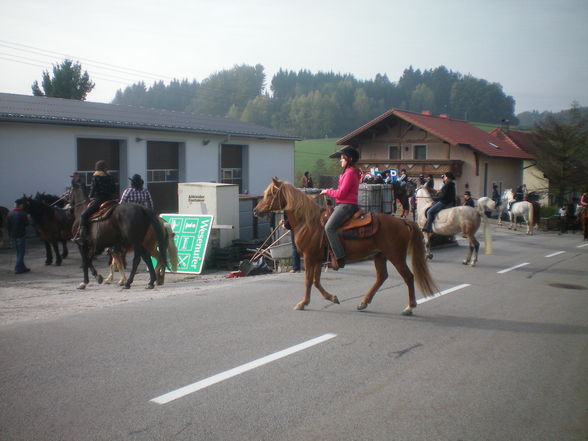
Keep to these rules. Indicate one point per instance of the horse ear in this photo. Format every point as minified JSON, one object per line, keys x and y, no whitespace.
{"x":276,"y":181}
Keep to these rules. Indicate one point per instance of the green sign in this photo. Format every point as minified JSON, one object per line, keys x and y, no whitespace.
{"x":192,"y":232}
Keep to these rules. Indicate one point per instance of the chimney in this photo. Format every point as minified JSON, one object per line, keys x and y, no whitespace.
{"x":505,"y":126}
{"x":426,"y":112}
{"x":444,"y":115}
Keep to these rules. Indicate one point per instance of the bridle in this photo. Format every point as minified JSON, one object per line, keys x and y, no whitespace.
{"x":274,"y":195}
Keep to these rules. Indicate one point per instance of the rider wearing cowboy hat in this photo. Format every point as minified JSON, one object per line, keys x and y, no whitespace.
{"x":346,"y":199}
{"x":445,"y":199}
{"x":103,"y":189}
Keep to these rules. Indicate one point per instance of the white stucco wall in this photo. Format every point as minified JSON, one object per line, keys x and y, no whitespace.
{"x":41,"y":157}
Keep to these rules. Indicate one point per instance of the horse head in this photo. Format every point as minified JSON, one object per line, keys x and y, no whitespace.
{"x":273,"y":199}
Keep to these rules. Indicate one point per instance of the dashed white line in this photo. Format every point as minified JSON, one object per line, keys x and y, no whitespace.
{"x":555,"y":254}
{"x":442,"y":293}
{"x":194,"y":387}
{"x":512,"y":268}
{"x":583,"y":245}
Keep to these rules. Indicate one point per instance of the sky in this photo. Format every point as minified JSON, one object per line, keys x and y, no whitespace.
{"x":536,"y":49}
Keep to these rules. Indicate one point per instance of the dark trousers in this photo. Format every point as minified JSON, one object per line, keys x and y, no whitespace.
{"x":92,"y":208}
{"x":295,"y":254}
{"x":19,"y":246}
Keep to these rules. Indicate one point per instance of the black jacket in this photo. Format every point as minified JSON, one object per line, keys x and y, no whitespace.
{"x":103,"y":187}
{"x":447,"y":194}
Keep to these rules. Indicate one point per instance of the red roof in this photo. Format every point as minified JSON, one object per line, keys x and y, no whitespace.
{"x":450,"y":130}
{"x":522,"y":140}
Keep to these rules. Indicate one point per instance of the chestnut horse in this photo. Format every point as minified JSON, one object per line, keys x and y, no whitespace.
{"x":394,"y":239}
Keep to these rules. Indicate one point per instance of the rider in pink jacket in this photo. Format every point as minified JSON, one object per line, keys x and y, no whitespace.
{"x":346,"y":198}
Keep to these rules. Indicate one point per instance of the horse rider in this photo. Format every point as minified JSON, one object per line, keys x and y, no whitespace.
{"x":496,"y":195}
{"x":346,"y":199}
{"x":136,"y":194}
{"x":103,"y":189}
{"x":467,"y":199}
{"x":519,"y":195}
{"x":445,"y":199}
{"x":430,"y":184}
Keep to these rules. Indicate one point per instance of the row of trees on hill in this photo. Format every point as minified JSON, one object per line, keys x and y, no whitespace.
{"x":316,"y":105}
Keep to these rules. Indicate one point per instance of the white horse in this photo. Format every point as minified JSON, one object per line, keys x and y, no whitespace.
{"x":485,"y":204}
{"x":503,"y":207}
{"x":522,"y":209}
{"x":451,"y":221}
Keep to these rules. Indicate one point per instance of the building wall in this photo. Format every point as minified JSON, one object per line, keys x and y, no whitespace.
{"x":41,"y":157}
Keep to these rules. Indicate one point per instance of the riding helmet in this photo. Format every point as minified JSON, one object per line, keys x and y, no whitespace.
{"x":348,"y":151}
{"x":137,"y":181}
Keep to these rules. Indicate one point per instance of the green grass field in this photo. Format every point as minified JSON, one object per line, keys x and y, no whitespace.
{"x":313,"y":155}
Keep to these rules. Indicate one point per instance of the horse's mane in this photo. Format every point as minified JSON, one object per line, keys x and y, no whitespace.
{"x":304,"y":208}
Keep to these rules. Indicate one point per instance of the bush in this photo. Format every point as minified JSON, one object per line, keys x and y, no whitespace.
{"x":548,"y":211}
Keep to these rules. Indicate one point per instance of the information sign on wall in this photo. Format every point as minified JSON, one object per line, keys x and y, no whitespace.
{"x":192,"y":232}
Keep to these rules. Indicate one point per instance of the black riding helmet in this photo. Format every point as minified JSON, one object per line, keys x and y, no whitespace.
{"x":348,"y":151}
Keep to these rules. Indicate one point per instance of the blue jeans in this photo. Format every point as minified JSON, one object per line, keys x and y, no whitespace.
{"x":341,"y":213}
{"x":295,"y":255}
{"x":436,"y":208}
{"x":19,"y":246}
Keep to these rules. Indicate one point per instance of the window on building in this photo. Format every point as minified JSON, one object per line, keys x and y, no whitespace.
{"x":394,"y":152}
{"x":233,"y":165}
{"x":420,"y":152}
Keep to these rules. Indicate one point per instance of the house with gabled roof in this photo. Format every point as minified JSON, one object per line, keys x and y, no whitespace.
{"x":426,"y":144}
{"x":533,"y":176}
{"x":43,"y":140}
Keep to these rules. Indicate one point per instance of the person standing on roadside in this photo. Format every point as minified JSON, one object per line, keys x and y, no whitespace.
{"x":17,"y":222}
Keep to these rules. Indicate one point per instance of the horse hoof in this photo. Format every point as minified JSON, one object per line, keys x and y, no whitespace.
{"x":361,"y":306}
{"x":336,"y":300}
{"x":126,"y":287}
{"x":99,"y":279}
{"x":299,"y":307}
{"x":473,"y":264}
{"x":48,"y":263}
{"x":82,"y":286}
{"x":430,"y":256}
{"x":407,"y":311}
{"x":149,"y":286}
{"x":465,"y":262}
{"x":57,"y":263}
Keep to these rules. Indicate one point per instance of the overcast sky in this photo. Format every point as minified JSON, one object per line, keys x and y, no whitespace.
{"x":536,"y":49}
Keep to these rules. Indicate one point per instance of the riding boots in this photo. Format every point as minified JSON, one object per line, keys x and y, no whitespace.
{"x":81,"y":238}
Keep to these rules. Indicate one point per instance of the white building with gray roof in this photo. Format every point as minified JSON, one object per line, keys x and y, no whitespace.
{"x":43,"y":140}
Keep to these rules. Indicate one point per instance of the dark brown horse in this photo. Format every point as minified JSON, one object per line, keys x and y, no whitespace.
{"x":394,"y":239}
{"x":53,"y":224}
{"x":126,"y":227}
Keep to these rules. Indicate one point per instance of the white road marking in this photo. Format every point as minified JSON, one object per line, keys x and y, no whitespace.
{"x":194,"y":387}
{"x":442,"y":293}
{"x":583,"y":245}
{"x":512,"y":268}
{"x":555,"y":254}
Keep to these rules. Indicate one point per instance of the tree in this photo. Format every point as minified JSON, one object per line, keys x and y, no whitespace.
{"x":67,"y":82}
{"x":560,"y":147}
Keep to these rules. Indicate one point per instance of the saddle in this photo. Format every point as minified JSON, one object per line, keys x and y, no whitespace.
{"x":359,"y":226}
{"x":104,"y":212}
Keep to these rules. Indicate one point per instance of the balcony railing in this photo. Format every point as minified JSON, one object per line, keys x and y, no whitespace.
{"x":416,"y":167}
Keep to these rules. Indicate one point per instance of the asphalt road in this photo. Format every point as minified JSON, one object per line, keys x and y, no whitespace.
{"x":502,"y":355}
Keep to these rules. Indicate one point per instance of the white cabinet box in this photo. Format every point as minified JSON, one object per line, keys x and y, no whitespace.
{"x":220,"y":200}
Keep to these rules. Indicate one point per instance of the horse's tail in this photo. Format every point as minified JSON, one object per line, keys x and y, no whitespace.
{"x":487,"y":233}
{"x":416,"y":247}
{"x":172,"y":250}
{"x":160,"y":234}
